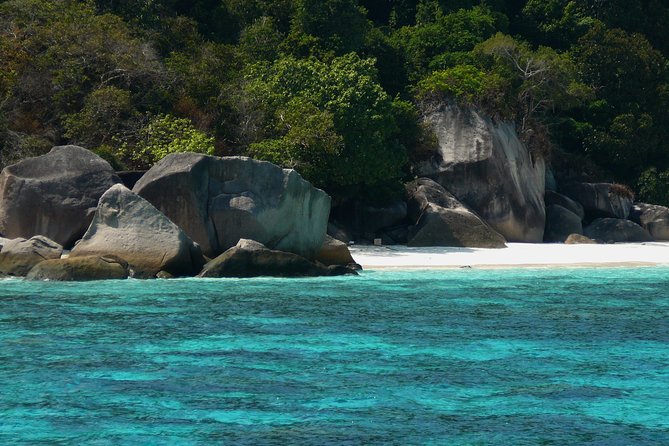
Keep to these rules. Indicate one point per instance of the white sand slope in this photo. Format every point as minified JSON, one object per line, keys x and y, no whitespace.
{"x":516,"y":255}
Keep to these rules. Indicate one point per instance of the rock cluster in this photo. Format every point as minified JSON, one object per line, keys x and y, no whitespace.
{"x":480,"y":188}
{"x":485,"y":165}
{"x":217,"y":201}
{"x":185,"y":204}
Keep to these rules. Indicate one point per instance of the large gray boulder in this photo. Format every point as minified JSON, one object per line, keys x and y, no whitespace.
{"x":80,"y":269}
{"x":129,"y":227}
{"x":218,"y":201}
{"x":485,"y":165}
{"x":252,"y":259}
{"x":600,"y":200}
{"x":552,"y":197}
{"x":560,"y":224}
{"x":653,"y":218}
{"x":53,"y":195}
{"x":616,"y":230}
{"x":441,"y":220}
{"x":19,"y":256}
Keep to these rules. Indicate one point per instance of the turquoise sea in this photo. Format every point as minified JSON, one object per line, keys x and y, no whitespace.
{"x":457,"y":357}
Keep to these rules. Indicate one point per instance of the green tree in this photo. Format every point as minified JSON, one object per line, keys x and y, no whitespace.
{"x":340,"y":25}
{"x":107,"y":113}
{"x":544,"y":79}
{"x":629,"y":114}
{"x":163,"y":135}
{"x":60,"y":53}
{"x":455,"y":32}
{"x":332,"y":118}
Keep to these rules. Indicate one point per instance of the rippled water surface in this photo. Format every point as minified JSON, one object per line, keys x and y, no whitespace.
{"x":500,"y":357}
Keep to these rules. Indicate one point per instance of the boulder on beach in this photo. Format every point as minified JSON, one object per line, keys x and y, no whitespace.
{"x":488,"y":169}
{"x":80,"y":269}
{"x":653,"y":218}
{"x":53,"y":195}
{"x":253,"y":259}
{"x":218,"y":201}
{"x":600,"y":200}
{"x":129,"y":227}
{"x":576,"y":208}
{"x":441,"y":220}
{"x":334,"y":252}
{"x":579,"y":239}
{"x":560,"y":223}
{"x":19,"y":256}
{"x":616,"y":230}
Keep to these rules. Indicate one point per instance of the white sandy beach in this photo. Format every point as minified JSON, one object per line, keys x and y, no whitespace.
{"x":516,"y":255}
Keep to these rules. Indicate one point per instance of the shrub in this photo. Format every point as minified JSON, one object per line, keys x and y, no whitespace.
{"x":163,"y":135}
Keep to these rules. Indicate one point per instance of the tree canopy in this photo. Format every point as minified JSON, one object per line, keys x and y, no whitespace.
{"x":336,"y":88}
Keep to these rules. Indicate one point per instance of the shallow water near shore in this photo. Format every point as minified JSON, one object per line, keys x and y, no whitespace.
{"x":503,"y":357}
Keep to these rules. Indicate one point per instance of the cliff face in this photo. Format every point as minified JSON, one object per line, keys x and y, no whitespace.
{"x":484,"y":164}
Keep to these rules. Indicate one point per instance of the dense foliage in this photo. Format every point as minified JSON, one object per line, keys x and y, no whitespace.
{"x":336,"y":88}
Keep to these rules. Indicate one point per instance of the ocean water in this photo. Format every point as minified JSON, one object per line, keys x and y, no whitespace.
{"x":459,"y":357}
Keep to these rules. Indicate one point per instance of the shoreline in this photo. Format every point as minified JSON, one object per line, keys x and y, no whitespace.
{"x":516,"y":255}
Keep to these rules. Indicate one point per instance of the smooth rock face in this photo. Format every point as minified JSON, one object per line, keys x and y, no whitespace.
{"x":334,"y":252}
{"x":616,"y":230}
{"x":653,"y":218}
{"x":599,"y":200}
{"x":19,"y":255}
{"x":127,"y":226}
{"x":560,"y":223}
{"x":487,"y":168}
{"x":578,"y":239}
{"x":552,"y":197}
{"x":251,"y":260}
{"x":80,"y":269}
{"x":53,"y":195}
{"x":218,"y":201}
{"x":441,"y":220}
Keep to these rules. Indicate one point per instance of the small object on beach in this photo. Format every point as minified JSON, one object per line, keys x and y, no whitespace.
{"x":466,"y":267}
{"x":378,"y":242}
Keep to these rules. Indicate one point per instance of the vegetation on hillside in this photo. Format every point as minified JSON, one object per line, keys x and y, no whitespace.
{"x":336,"y":88}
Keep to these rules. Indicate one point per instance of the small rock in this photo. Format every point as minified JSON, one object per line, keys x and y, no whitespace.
{"x":239,"y":261}
{"x":80,"y":269}
{"x":579,"y":239}
{"x":334,"y":252}
{"x":164,"y":275}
